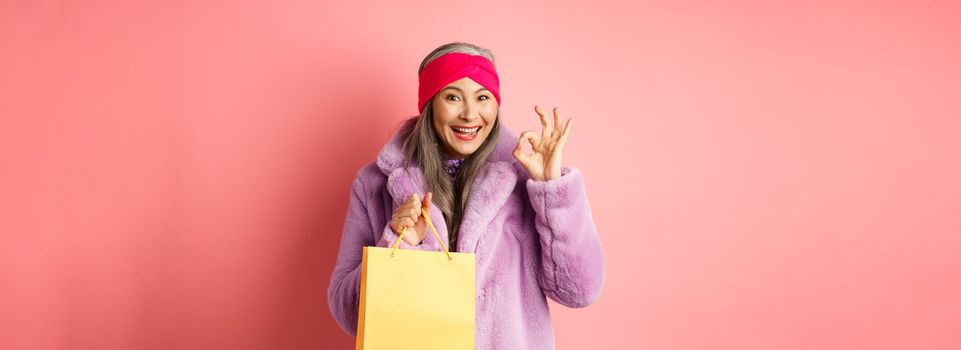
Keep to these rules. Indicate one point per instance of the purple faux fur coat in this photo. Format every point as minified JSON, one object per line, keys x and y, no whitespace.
{"x":531,"y":239}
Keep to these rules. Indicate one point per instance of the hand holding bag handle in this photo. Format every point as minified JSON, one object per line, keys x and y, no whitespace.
{"x":432,"y":228}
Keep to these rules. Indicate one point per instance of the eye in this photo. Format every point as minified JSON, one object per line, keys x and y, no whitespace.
{"x":452,"y":97}
{"x":483,"y":98}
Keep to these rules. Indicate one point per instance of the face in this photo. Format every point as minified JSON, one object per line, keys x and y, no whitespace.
{"x":464,"y":112}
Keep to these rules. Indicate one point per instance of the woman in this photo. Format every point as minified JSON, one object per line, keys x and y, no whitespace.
{"x":525,"y":216}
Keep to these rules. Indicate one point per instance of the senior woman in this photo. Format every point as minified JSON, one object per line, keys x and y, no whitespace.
{"x":524,"y":215}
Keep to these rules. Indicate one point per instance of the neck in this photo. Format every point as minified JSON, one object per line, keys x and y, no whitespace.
{"x":448,"y":155}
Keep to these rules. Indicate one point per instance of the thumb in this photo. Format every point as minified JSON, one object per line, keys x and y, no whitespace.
{"x":427,"y":198}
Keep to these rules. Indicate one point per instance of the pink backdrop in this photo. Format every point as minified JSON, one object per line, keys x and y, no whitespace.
{"x":175,"y":175}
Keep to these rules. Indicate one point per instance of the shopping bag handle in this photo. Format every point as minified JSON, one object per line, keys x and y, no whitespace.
{"x":432,"y":228}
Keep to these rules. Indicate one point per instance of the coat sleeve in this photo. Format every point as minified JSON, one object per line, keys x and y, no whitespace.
{"x":343,"y":293}
{"x":572,"y":262}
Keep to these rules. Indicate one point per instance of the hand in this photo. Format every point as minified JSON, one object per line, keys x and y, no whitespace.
{"x":408,"y":215}
{"x":545,"y":163}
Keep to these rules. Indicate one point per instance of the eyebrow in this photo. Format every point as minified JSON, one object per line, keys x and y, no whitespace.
{"x":459,"y":89}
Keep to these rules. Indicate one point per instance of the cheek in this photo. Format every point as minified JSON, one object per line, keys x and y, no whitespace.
{"x":490,"y":114}
{"x":440,"y":120}
{"x":444,"y":114}
{"x":438,"y":129}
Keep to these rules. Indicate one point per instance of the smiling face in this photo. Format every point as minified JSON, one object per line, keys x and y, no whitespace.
{"x":464,"y":113}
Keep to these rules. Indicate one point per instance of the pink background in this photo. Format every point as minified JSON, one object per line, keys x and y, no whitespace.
{"x":764,"y":175}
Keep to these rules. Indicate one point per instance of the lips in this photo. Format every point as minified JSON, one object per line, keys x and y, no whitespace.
{"x":466,"y":133}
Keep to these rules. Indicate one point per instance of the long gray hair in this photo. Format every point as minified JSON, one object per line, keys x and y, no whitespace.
{"x":422,"y":149}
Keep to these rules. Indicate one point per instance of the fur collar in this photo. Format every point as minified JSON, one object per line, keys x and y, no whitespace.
{"x":492,"y":187}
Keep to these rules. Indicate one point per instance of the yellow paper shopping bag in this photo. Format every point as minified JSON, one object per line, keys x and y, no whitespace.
{"x":415,"y":299}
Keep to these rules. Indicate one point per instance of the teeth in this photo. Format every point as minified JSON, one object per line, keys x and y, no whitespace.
{"x":467,"y":131}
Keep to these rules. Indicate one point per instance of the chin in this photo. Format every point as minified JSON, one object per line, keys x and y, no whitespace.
{"x":466,"y":151}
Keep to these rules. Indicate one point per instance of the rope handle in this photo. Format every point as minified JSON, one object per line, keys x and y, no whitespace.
{"x":432,"y":228}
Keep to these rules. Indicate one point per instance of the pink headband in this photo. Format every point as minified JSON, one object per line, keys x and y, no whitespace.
{"x":451,"y":67}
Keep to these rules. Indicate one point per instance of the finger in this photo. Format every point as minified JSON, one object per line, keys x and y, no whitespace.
{"x":427,"y":199}
{"x":413,"y":213}
{"x":399,"y":225}
{"x":519,"y":148}
{"x":545,"y":122}
{"x":399,"y":212}
{"x":534,"y":140}
{"x":413,"y":201}
{"x":402,"y":213}
{"x":557,"y":122}
{"x":405,"y":222}
{"x":531,"y":137}
{"x":567,"y":131}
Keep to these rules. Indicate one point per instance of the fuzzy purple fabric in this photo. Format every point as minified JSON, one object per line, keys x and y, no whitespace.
{"x":532,"y":240}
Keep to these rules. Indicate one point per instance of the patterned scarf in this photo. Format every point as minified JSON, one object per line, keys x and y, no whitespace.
{"x":452,"y":166}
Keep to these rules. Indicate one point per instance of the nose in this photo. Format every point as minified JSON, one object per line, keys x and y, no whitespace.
{"x":470,"y":111}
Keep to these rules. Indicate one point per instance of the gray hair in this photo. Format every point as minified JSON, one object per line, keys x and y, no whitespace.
{"x":469,"y":49}
{"x":421,"y":148}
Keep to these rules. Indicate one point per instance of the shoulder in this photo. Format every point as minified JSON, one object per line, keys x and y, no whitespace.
{"x":369,"y":179}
